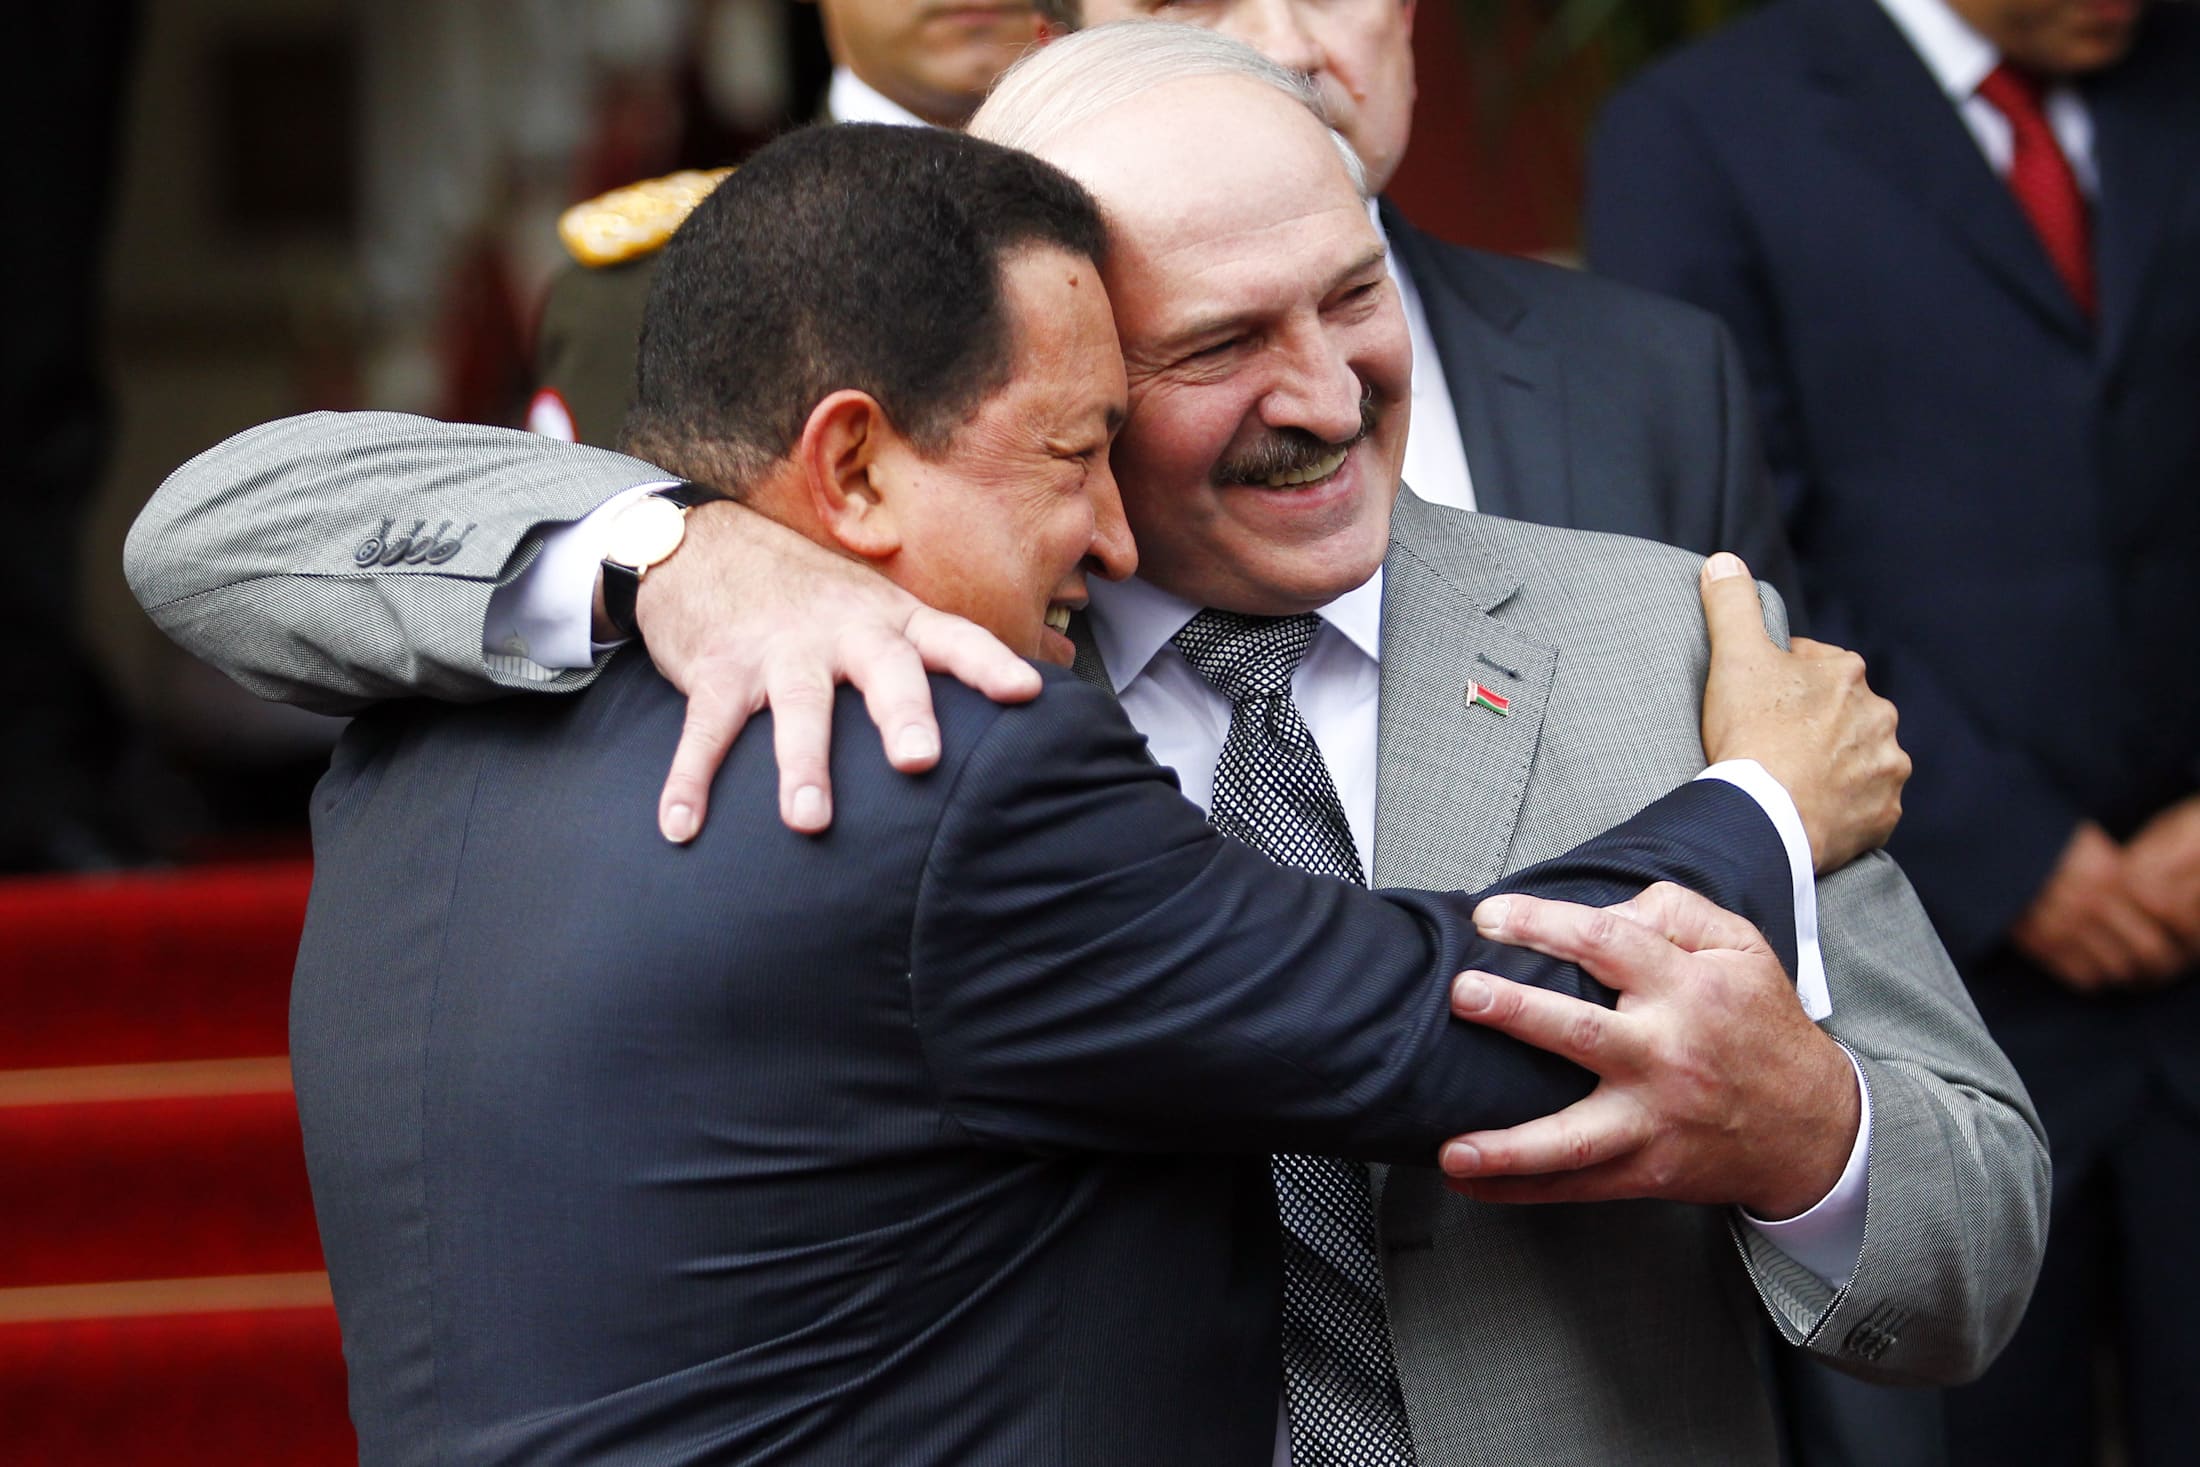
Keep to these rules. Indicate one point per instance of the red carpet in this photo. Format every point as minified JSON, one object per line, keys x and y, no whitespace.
{"x":161,"y":1294}
{"x":125,"y":970}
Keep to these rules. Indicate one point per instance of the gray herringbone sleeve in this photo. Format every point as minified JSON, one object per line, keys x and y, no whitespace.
{"x":336,"y":558}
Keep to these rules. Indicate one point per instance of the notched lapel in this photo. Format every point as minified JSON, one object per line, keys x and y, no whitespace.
{"x":1452,"y":774}
{"x":1889,"y":111}
{"x":1506,"y":384}
{"x":2143,"y":190}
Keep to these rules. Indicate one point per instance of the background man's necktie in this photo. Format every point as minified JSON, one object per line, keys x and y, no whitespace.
{"x":1273,"y":792}
{"x":2042,"y":179}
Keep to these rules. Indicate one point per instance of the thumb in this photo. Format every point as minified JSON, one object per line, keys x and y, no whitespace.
{"x":1731,"y":610}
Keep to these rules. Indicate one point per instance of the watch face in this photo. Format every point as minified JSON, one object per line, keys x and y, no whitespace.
{"x":645,"y":532}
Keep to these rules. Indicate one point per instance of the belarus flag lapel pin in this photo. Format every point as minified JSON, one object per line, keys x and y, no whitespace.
{"x":1481,"y":697}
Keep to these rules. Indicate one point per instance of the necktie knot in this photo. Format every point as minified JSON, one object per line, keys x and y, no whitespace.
{"x":1246,"y":658}
{"x":2018,"y":95}
{"x":2042,"y":180}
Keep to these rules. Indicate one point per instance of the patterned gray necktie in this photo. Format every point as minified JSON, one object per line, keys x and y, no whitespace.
{"x":1274,"y":793}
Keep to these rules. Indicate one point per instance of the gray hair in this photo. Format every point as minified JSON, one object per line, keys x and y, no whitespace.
{"x":1063,"y":86}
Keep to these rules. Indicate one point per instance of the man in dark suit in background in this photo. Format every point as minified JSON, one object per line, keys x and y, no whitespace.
{"x":798,"y":1149}
{"x":1957,"y":241}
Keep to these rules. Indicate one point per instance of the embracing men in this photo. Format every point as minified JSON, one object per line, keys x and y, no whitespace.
{"x":1490,"y":694}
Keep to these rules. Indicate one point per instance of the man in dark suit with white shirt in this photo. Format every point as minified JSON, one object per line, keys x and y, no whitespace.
{"x":1955,"y":240}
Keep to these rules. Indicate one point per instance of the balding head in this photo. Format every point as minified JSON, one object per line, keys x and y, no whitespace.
{"x":1060,"y":90}
{"x":1267,"y":357}
{"x":1358,"y":53}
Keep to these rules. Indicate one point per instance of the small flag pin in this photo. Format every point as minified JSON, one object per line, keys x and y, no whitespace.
{"x":1481,"y":697}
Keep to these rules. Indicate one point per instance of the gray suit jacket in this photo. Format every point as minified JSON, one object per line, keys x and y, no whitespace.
{"x":1640,"y":1314}
{"x":254,"y":557}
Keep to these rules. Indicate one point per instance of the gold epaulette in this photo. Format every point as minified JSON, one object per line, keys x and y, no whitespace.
{"x":636,"y":219}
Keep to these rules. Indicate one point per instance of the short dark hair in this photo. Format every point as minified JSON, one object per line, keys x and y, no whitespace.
{"x":851,"y":256}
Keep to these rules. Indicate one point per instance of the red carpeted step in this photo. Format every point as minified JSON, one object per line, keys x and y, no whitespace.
{"x":129,"y":969}
{"x":264,"y":1387}
{"x":162,"y":1188}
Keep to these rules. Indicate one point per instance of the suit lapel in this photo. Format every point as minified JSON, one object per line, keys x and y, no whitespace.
{"x":1451,"y":774}
{"x":2142,"y":184}
{"x":1889,"y":112}
{"x":1505,"y":382}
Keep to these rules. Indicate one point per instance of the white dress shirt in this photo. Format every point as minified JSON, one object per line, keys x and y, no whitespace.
{"x":852,"y":99}
{"x":1960,"y":58}
{"x":1436,"y":466}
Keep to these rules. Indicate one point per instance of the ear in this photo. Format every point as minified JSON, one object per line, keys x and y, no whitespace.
{"x":848,"y":455}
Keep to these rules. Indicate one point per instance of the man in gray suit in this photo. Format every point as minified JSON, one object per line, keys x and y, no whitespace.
{"x":1487,"y":693}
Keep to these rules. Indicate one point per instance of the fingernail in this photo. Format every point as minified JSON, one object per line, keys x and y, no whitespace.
{"x":1459,"y":1159}
{"x":809,"y":807}
{"x":1725,"y":565}
{"x":913,"y":744}
{"x":1489,"y":918}
{"x":1470,"y":992}
{"x":679,"y":824}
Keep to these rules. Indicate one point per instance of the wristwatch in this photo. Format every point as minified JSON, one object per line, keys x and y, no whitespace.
{"x":645,"y":534}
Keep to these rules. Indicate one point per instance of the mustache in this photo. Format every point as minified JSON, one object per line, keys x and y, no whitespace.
{"x":1293,"y":450}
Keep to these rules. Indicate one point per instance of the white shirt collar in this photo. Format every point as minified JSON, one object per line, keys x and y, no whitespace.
{"x":1133,"y":620}
{"x":1958,"y":57}
{"x":852,"y":99}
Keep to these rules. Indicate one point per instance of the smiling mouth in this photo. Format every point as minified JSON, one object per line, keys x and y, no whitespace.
{"x":1058,"y":618}
{"x":1292,"y":458}
{"x":1312,"y":473}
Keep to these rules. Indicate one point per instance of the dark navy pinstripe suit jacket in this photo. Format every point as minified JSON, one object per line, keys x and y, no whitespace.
{"x":937,"y":1139}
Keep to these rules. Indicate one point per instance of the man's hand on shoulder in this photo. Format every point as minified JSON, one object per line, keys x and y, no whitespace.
{"x":1713,"y":1085}
{"x":750,"y":615}
{"x":1807,"y":715}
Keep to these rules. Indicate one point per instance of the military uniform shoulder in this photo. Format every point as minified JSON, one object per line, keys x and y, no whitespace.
{"x":636,"y":220}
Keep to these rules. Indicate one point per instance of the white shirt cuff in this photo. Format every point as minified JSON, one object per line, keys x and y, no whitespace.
{"x":1772,"y":797}
{"x":1829,"y":1239}
{"x":546,"y":613}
